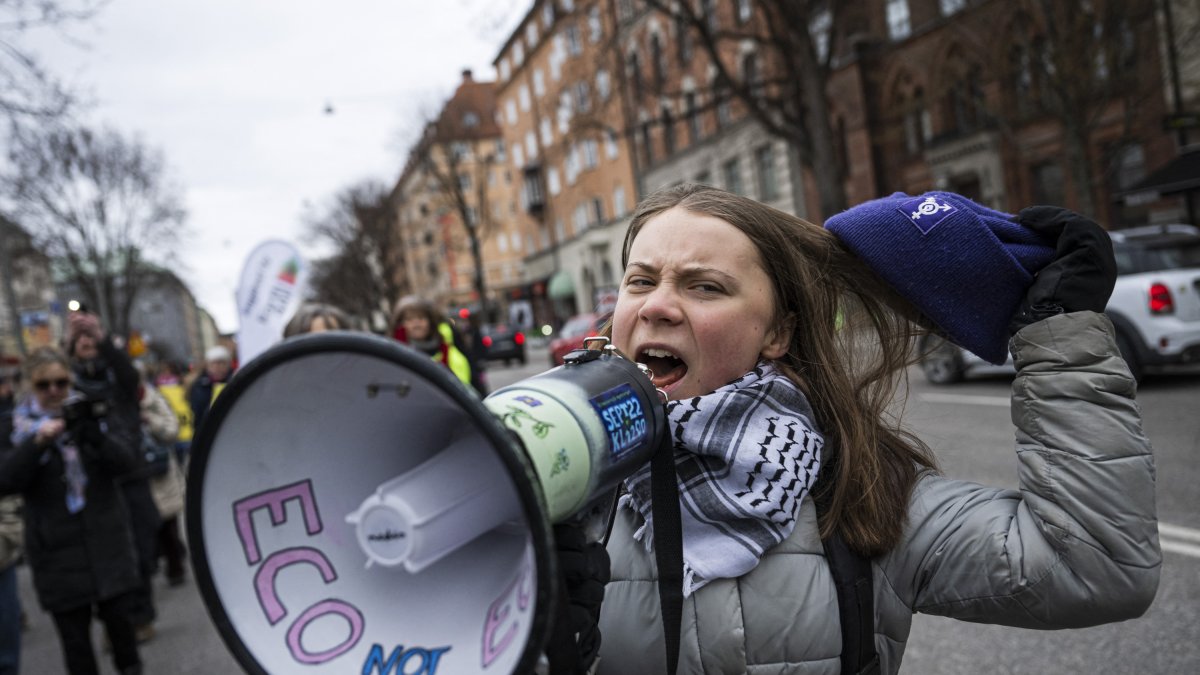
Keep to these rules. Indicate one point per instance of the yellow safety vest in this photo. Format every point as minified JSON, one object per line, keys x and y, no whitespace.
{"x":177,"y":398}
{"x":458,"y":363}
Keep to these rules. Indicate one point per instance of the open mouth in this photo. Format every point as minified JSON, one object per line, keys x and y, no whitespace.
{"x":664,"y":364}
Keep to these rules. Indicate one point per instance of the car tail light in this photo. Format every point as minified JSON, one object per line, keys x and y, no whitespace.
{"x":487,"y":340}
{"x":519,"y":338}
{"x":1161,"y":301}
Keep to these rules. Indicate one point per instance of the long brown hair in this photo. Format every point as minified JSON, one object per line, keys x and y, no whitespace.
{"x":850,"y":343}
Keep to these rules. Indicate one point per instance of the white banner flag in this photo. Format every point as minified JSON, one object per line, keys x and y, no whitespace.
{"x":268,"y":293}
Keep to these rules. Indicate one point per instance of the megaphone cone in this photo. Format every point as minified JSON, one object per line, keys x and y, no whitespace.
{"x":351,"y":507}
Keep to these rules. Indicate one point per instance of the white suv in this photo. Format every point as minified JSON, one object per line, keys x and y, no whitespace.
{"x":1155,"y":306}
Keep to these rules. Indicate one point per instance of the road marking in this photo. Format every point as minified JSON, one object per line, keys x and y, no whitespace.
{"x":1185,"y":549}
{"x":1179,"y":532}
{"x":967,"y":400}
{"x":1179,"y":539}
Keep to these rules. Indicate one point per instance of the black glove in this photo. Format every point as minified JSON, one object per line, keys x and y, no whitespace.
{"x":584,"y":567}
{"x":1081,"y":276}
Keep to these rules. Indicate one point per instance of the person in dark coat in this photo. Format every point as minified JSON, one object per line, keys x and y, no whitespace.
{"x":105,"y":372}
{"x":218,"y":367}
{"x":78,"y":539}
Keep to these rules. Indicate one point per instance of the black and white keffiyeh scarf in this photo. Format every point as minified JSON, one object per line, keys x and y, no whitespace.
{"x":745,"y":456}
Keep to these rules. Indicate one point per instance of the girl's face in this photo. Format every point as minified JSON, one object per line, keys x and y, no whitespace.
{"x":416,"y":325}
{"x":51,"y":383}
{"x":695,"y":304}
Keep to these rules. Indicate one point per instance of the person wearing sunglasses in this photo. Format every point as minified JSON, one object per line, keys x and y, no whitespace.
{"x":80,"y":543}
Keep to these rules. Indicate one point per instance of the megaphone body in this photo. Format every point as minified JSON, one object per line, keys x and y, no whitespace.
{"x":353,"y":508}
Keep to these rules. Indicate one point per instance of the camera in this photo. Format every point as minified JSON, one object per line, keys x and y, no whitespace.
{"x":80,"y":409}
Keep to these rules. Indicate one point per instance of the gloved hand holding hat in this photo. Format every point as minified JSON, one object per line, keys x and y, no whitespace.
{"x":964,"y":266}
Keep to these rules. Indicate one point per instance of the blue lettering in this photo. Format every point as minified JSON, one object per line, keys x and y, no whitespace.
{"x":397,"y":661}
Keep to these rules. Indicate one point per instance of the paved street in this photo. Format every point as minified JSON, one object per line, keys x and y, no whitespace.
{"x":968,"y":425}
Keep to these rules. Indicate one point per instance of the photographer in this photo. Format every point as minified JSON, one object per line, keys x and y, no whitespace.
{"x":105,"y":373}
{"x":79,"y":543}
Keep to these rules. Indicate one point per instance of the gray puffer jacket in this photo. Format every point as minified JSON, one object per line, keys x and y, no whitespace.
{"x":1077,"y":545}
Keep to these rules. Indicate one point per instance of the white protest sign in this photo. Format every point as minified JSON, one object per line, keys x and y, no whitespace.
{"x":268,"y":293}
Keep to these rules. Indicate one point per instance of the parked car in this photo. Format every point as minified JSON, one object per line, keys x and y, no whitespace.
{"x":502,"y":342}
{"x":1155,"y":306}
{"x":571,"y":335}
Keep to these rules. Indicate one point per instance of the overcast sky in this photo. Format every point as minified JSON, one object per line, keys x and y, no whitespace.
{"x":234,"y":93}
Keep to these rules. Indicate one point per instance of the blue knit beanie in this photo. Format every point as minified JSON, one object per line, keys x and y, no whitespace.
{"x":964,"y":266}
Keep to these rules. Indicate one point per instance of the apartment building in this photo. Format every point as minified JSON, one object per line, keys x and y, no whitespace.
{"x":458,"y":181}
{"x":561,"y":116}
{"x":956,"y":95}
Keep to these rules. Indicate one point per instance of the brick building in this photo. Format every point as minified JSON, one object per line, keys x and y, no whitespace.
{"x":598,"y":102}
{"x":457,"y":174}
{"x":562,"y":116}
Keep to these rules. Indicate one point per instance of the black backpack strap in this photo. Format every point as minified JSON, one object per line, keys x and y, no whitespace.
{"x":856,"y":606}
{"x":668,"y":545}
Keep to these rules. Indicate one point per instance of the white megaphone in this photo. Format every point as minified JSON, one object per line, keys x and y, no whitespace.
{"x":351,"y":507}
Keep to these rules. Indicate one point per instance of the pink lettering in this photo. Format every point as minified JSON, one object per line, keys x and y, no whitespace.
{"x":347,"y":612}
{"x":264,"y":579}
{"x":274,"y":500}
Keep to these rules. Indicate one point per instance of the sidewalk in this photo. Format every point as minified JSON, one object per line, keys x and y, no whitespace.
{"x":186,"y":642}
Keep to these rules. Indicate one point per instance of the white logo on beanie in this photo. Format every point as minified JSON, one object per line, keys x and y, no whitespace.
{"x":926,"y":212}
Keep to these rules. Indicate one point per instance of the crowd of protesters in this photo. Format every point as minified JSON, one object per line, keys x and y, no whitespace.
{"x":94,"y":448}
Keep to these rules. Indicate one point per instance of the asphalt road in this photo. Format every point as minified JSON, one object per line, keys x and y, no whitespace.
{"x":968,"y":426}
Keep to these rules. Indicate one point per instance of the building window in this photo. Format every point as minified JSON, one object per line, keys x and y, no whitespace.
{"x":547,"y":131}
{"x":657,"y":62}
{"x":1048,"y":184}
{"x":949,"y":7}
{"x":510,"y":112}
{"x":597,"y":210}
{"x":709,"y":12}
{"x":898,"y":19}
{"x":548,"y":14}
{"x":619,"y":201}
{"x":1128,"y":166}
{"x":553,"y":184}
{"x":724,"y":112}
{"x":750,"y":74}
{"x":1021,"y":71}
{"x":693,"y":118}
{"x":583,"y":97}
{"x":819,"y":27}
{"x":595,"y":27}
{"x":518,"y":53}
{"x":967,"y":103}
{"x":744,"y":10}
{"x":733,"y":176}
{"x":518,"y":155}
{"x":768,"y":182}
{"x":603,"y":85}
{"x":647,"y":145}
{"x":683,"y":40}
{"x":591,"y":153}
{"x":635,"y":76}
{"x":505,"y":69}
{"x":523,"y":98}
{"x":668,"y":127}
{"x":539,"y":82}
{"x":531,"y":148}
{"x":574,"y":46}
{"x":610,"y":144}
{"x":531,"y":34}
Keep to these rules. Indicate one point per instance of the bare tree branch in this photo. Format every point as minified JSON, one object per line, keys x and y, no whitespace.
{"x":98,"y":202}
